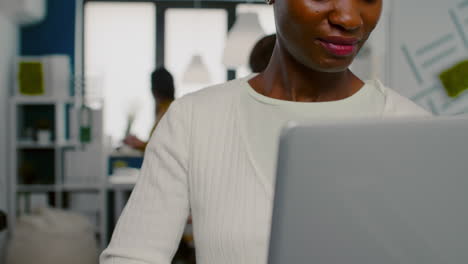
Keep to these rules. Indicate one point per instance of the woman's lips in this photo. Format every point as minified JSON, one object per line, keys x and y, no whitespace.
{"x":340,"y":46}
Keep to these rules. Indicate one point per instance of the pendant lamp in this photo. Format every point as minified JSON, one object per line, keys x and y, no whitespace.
{"x":241,"y":40}
{"x":197,"y":72}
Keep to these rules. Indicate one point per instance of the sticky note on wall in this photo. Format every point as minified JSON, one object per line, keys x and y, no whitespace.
{"x":31,"y":78}
{"x":455,"y":79}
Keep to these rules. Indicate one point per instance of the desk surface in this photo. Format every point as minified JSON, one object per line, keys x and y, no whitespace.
{"x":123,"y":182}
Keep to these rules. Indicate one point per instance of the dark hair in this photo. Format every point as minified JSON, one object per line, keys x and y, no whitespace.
{"x":261,"y":53}
{"x":162,"y":84}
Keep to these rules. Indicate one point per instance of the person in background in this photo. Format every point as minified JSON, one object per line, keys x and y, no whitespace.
{"x":162,"y":88}
{"x":214,"y":153}
{"x":261,"y":53}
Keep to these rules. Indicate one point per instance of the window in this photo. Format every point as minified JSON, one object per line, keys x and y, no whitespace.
{"x":265,"y":15}
{"x":120,"y":51}
{"x":191,"y":32}
{"x":267,"y":21}
{"x":120,"y":48}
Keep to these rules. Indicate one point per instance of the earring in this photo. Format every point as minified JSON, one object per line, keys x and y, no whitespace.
{"x":269,"y":2}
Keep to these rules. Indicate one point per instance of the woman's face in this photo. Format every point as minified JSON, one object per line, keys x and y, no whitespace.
{"x":325,"y":35}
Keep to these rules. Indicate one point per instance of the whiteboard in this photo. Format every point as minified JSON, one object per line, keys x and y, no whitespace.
{"x":427,"y":37}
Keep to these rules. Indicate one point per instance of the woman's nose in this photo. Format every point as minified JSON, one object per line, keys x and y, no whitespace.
{"x":346,"y":15}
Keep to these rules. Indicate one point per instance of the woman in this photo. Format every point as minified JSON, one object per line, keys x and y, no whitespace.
{"x":214,"y":151}
{"x":162,"y":88}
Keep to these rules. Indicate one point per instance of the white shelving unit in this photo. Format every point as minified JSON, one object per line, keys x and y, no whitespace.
{"x":49,"y":158}
{"x":52,"y":171}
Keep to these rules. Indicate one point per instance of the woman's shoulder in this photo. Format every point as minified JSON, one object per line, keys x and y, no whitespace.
{"x":398,"y":105}
{"x":224,"y":90}
{"x":210,"y":101}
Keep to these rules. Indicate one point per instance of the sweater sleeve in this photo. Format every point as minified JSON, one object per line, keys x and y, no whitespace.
{"x":152,"y":223}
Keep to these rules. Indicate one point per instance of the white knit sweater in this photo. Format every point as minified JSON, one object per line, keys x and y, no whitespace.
{"x":198,"y":160}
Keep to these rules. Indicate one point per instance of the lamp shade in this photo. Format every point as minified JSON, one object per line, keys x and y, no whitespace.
{"x":196,"y":72}
{"x":241,"y":40}
{"x":24,"y":12}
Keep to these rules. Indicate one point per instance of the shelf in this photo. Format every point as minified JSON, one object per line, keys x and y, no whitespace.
{"x":37,"y":188}
{"x":82,"y":187}
{"x":41,"y":100}
{"x":34,"y":145}
{"x":66,"y":187}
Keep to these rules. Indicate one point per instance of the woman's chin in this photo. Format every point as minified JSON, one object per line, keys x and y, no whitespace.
{"x":330,"y":67}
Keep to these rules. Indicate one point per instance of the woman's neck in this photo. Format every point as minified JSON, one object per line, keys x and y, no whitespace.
{"x":161,"y":105}
{"x":287,"y":79}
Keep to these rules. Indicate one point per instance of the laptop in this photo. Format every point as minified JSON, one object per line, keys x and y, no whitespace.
{"x":372,"y":192}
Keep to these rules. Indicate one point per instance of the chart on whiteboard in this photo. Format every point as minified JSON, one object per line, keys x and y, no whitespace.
{"x":429,"y":53}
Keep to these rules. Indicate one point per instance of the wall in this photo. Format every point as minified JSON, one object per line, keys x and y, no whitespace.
{"x":425,"y":45}
{"x":8,"y":49}
{"x":55,"y":35}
